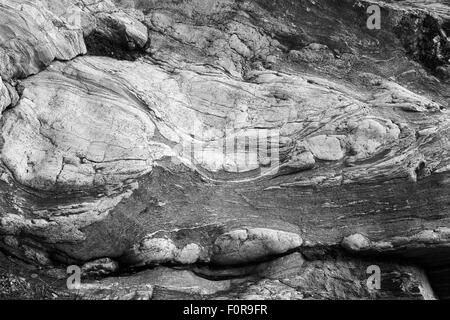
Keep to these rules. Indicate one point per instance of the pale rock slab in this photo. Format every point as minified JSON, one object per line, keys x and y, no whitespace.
{"x":326,"y":148}
{"x":246,"y":245}
{"x":31,"y":38}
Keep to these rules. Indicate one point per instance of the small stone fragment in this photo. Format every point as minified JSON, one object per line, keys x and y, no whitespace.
{"x":356,"y":242}
{"x":326,"y":148}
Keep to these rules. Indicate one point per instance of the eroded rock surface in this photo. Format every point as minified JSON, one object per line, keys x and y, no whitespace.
{"x":227,"y":149}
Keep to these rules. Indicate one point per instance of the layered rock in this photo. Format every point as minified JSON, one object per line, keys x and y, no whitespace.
{"x":228,"y":134}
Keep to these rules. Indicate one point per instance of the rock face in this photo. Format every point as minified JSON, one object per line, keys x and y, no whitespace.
{"x":226,"y":149}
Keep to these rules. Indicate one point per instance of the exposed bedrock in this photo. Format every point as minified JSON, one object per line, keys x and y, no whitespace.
{"x":119,"y":122}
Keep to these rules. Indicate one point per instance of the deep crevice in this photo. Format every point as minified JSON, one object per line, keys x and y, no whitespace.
{"x":426,"y":41}
{"x":99,"y":45}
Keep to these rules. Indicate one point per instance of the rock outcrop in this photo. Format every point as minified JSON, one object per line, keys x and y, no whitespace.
{"x":226,"y":149}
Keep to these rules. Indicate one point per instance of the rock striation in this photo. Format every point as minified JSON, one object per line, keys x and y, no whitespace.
{"x":226,"y":149}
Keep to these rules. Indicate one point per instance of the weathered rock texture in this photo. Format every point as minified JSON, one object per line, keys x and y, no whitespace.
{"x":103,"y":101}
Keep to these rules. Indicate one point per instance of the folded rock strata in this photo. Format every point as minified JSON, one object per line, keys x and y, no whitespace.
{"x":118,"y":129}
